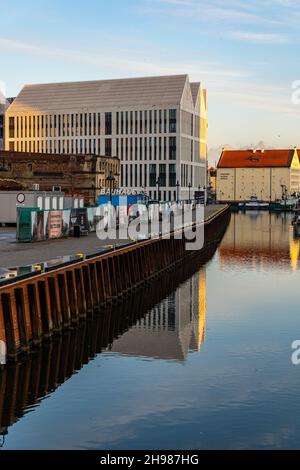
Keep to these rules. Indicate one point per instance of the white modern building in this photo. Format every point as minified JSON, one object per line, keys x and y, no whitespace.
{"x":157,"y":126}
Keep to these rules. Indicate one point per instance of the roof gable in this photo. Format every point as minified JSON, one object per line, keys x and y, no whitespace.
{"x":256,"y":159}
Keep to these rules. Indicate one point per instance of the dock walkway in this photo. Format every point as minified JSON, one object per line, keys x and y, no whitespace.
{"x":14,"y":254}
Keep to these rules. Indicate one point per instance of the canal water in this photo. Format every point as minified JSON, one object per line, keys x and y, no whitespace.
{"x":201,"y":360}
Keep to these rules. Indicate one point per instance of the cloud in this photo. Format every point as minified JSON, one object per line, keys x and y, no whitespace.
{"x":122,"y":66}
{"x":217,"y":11}
{"x":259,"y":38}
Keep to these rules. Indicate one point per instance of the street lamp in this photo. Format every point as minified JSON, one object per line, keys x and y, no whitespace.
{"x":177,"y":191}
{"x":190,"y":186}
{"x":110,"y":179}
{"x":158,"y":189}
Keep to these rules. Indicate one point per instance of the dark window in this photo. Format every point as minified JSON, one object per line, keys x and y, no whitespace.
{"x":141,"y":122}
{"x":152,"y":175}
{"x":108,"y":147}
{"x":160,"y":121}
{"x":172,"y":120}
{"x":117,"y":123}
{"x":141,"y":176}
{"x":165,"y":121}
{"x":122,"y":123}
{"x":159,"y":149}
{"x":11,"y":127}
{"x":150,"y":122}
{"x":108,"y":123}
{"x":155,"y":122}
{"x":135,"y":175}
{"x":146,"y":122}
{"x":172,"y":175}
{"x":85,"y":124}
{"x":162,"y":174}
{"x":131,"y":122}
{"x":172,"y":148}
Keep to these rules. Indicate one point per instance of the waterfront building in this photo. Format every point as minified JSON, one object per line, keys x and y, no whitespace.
{"x":266,"y":174}
{"x":156,"y":126}
{"x":73,"y":174}
{"x":260,"y":242}
{"x":173,"y":328}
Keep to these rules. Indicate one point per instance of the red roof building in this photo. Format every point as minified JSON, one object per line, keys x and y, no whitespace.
{"x":267,"y":175}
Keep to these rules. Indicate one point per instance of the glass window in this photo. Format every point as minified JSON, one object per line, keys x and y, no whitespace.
{"x":108,"y":147}
{"x":160,"y":121}
{"x":165,"y":121}
{"x":162,"y":174}
{"x":172,"y":148}
{"x":152,"y":175}
{"x":172,"y":120}
{"x":108,"y":123}
{"x":172,"y":175}
{"x":11,"y":127}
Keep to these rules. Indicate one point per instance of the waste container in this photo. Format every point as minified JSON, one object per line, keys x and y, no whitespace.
{"x":76,"y":232}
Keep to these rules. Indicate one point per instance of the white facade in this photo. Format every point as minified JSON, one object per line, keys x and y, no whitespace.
{"x":156,"y":126}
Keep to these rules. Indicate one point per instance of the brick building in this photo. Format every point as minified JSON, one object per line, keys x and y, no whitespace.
{"x":74,"y":174}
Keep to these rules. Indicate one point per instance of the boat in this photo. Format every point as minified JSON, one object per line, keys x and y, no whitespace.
{"x":253,"y":204}
{"x":284,"y":205}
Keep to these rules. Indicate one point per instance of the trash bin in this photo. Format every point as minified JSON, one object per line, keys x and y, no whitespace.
{"x":76,"y":232}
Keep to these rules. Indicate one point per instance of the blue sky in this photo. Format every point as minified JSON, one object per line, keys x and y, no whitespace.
{"x":245,"y":52}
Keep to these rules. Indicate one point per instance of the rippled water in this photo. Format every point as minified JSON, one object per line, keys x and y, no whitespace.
{"x":208,"y":366}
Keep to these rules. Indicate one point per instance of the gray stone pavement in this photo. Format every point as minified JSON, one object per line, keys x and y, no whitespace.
{"x":14,"y":254}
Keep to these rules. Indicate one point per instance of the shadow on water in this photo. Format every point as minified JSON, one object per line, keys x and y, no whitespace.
{"x":25,"y":384}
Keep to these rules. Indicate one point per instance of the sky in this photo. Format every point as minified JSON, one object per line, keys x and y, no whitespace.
{"x":245,"y":52}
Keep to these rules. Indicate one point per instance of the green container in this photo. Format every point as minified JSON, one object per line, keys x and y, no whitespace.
{"x":24,"y":230}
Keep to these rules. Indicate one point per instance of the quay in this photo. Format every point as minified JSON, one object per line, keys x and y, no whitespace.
{"x":43,"y":305}
{"x":52,"y":365}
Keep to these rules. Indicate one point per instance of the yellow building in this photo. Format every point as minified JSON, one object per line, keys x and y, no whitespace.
{"x":266,"y":174}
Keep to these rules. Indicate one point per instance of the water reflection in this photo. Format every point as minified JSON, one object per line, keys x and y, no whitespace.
{"x":170,"y":329}
{"x":173,"y":327}
{"x":260,"y":240}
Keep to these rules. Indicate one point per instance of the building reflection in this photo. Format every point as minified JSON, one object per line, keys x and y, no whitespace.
{"x":165,"y":320}
{"x":173,"y":327}
{"x":258,"y":240}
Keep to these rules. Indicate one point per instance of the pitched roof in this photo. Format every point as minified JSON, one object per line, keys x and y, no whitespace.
{"x":195,"y":91}
{"x":253,"y":159}
{"x":149,"y":91}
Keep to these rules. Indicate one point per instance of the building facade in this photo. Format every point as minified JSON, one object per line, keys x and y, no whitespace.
{"x":74,"y":174}
{"x":3,"y":106}
{"x":266,"y":174}
{"x":156,"y":126}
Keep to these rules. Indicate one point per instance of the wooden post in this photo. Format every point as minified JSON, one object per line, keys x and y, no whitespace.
{"x":44,"y":301}
{"x":64,"y":299}
{"x":21,"y":318}
{"x":81,"y":295}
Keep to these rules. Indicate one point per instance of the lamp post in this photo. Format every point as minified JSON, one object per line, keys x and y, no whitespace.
{"x":110,"y":179}
{"x":190,"y":186}
{"x":177,"y":191}
{"x":158,"y":189}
